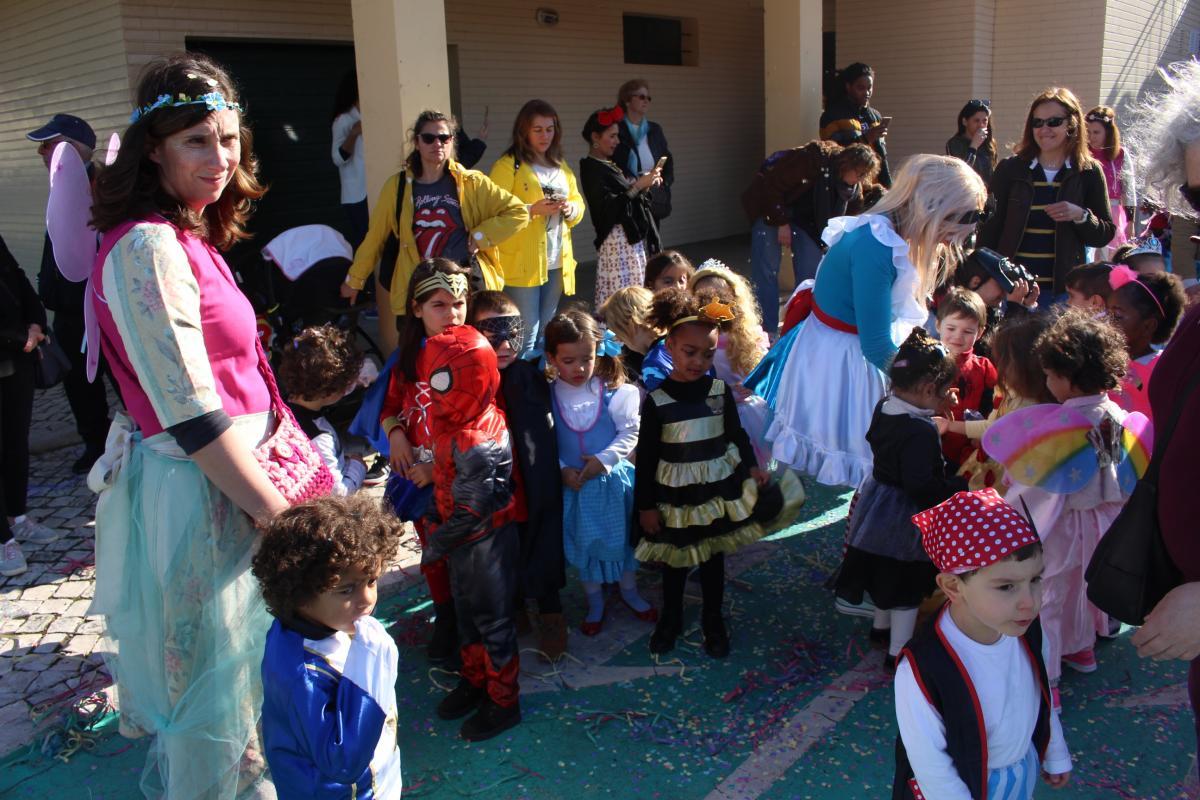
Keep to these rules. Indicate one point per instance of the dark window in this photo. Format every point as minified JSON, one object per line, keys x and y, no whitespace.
{"x":659,"y":40}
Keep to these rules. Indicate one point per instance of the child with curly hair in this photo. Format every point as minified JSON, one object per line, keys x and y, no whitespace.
{"x":698,"y":490}
{"x":739,"y":348}
{"x":1146,"y":308}
{"x":883,"y":556}
{"x":329,"y":669}
{"x":319,"y":368}
{"x":1083,"y":359}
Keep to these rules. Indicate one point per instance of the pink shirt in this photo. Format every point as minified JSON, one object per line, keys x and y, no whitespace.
{"x":178,"y":333}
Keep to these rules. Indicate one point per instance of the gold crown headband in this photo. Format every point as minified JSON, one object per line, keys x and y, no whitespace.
{"x":455,"y":284}
{"x":715,"y":313}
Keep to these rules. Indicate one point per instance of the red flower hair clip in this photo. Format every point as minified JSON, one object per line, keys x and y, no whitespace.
{"x":610,"y":117}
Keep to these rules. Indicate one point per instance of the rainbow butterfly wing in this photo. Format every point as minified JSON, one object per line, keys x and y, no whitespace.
{"x":1045,"y":446}
{"x":1137,"y":443}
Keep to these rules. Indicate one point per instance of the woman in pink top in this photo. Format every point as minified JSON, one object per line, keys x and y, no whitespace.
{"x":180,"y":489}
{"x":1104,"y":141}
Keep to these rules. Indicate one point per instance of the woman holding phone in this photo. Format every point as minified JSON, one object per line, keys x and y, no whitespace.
{"x":849,"y":117}
{"x":974,"y":143}
{"x":626,"y":233}
{"x":643,"y":146}
{"x":538,"y":264}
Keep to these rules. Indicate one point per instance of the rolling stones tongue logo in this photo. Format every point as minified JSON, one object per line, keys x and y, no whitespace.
{"x":432,"y":228}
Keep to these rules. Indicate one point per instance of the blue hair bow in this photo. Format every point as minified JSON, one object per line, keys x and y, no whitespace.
{"x":609,"y":346}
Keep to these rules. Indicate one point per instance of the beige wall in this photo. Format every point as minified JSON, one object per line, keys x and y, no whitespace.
{"x":712,"y":114}
{"x":64,"y":57}
{"x":929,"y":57}
{"x":1140,"y":35}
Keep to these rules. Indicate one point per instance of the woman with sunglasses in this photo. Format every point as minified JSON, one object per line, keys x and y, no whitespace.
{"x":1104,"y":142}
{"x":434,"y":207}
{"x":642,"y":144}
{"x":1051,"y":198}
{"x":626,"y":233}
{"x":974,"y":143}
{"x":870,"y":292}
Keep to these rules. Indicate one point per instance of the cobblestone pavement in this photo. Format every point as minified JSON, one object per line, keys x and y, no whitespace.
{"x":50,"y":648}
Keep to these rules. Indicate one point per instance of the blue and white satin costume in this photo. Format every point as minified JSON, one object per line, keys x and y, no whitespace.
{"x":329,"y":711}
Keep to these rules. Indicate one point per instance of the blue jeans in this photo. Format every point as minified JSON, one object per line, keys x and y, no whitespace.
{"x":537,"y":306}
{"x":765,"y":257}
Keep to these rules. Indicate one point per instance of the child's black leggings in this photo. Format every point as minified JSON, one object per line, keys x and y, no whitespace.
{"x":712,"y":587}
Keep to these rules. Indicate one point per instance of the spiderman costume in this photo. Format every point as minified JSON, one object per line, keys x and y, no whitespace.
{"x":472,"y":524}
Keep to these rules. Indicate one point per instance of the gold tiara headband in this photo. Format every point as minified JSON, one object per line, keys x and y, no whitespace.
{"x":715,"y":313}
{"x":455,"y":284}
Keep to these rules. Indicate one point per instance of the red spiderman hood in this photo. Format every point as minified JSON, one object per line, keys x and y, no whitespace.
{"x":460,"y":367}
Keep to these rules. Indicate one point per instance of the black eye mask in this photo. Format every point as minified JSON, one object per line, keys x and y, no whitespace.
{"x":498,"y":330}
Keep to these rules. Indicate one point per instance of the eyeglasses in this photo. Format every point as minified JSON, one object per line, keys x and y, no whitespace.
{"x":975,"y":217}
{"x":1052,"y":122}
{"x":430,"y":138}
{"x":645,"y":97}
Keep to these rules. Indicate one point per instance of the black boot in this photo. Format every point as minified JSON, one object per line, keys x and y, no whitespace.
{"x":665,"y":633}
{"x":716,"y":637}
{"x":443,"y":644}
{"x":464,"y":699}
{"x":491,"y":720}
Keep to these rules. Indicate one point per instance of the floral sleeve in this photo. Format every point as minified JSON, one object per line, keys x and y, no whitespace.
{"x":155,"y":303}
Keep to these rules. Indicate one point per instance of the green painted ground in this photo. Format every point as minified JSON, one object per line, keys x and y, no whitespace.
{"x":679,"y":733}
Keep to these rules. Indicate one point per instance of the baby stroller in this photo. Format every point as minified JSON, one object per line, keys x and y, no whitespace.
{"x":310,"y":264}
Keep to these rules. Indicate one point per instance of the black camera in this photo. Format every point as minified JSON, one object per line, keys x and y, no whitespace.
{"x":1005,"y":271}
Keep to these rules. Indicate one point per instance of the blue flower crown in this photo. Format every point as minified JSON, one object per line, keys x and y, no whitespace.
{"x":213,"y":101}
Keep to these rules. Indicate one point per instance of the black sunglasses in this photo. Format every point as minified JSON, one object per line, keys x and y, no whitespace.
{"x":1052,"y":122}
{"x":430,"y":138}
{"x":975,"y":217}
{"x":980,"y":102}
{"x":645,"y":97}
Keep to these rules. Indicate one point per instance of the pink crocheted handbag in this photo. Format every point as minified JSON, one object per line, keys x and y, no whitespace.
{"x":288,"y":455}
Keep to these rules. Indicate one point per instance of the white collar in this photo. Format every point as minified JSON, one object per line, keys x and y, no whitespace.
{"x":1036,"y":164}
{"x":895,"y":406}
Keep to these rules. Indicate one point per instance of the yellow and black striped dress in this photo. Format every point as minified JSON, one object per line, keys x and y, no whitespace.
{"x":693,"y":466}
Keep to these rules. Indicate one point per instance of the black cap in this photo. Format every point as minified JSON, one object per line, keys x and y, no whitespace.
{"x":64,"y":125}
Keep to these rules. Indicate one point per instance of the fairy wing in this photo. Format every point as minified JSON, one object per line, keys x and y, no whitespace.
{"x":68,"y":212}
{"x":1136,"y":445}
{"x":1045,"y":446}
{"x":114,"y":144}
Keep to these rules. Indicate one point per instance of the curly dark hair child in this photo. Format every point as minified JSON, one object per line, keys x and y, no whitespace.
{"x":576,"y":325}
{"x":1087,"y":352}
{"x":669,"y":306}
{"x":922,"y":359}
{"x":306,"y":547}
{"x":1157,"y":299}
{"x":1012,"y":345}
{"x":319,"y":362}
{"x":667,"y":259}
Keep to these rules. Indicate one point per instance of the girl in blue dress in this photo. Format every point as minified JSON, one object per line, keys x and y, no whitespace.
{"x":596,"y":420}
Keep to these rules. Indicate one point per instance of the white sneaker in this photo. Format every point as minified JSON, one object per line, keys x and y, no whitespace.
{"x":864,"y":609}
{"x":30,"y":531}
{"x":12,"y":560}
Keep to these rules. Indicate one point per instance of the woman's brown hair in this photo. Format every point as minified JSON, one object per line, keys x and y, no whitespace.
{"x":413,"y":162}
{"x":131,"y":188}
{"x":520,"y":149}
{"x":1107,"y":116}
{"x":1077,"y":149}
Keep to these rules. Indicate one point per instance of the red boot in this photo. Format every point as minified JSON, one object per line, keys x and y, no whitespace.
{"x":501,"y":709}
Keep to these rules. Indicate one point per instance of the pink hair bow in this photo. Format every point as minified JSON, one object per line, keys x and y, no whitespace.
{"x":1120,"y":275}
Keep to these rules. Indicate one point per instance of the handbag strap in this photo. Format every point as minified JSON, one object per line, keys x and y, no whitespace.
{"x":268,"y":375}
{"x":1158,"y":454}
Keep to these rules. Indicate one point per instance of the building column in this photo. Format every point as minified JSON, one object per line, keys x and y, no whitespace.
{"x":400,"y":53}
{"x":792,"y":71}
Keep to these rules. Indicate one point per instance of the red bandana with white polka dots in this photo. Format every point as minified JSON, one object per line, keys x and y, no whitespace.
{"x":972,"y":530}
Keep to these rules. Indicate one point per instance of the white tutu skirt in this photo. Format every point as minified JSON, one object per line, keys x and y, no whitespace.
{"x":827,"y":394}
